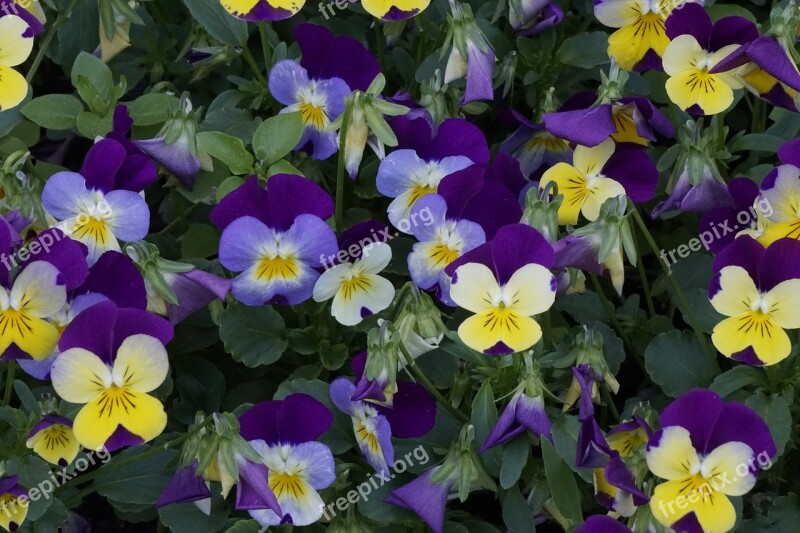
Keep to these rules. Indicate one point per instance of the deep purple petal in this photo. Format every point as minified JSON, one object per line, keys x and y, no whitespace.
{"x":789,"y":153}
{"x":780,"y":262}
{"x":253,"y":491}
{"x":185,"y":486}
{"x":592,"y":449}
{"x":275,"y":421}
{"x":635,"y":171}
{"x":602,"y":524}
{"x":767,"y":53}
{"x":731,"y":30}
{"x":587,"y":127}
{"x":177,"y":158}
{"x":493,"y":207}
{"x":115,"y":276}
{"x":68,"y":256}
{"x":92,"y":330}
{"x":454,"y":136}
{"x":425,"y":498}
{"x":138,"y":322}
{"x":506,"y":428}
{"x":618,"y":475}
{"x":480,"y":67}
{"x":101,"y":164}
{"x":691,"y":19}
{"x":745,"y":252}
{"x":413,"y":411}
{"x":122,"y":438}
{"x":698,"y":411}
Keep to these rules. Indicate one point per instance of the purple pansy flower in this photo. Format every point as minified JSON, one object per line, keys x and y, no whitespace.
{"x":706,"y":450}
{"x":534,"y":147}
{"x":529,"y":17}
{"x":277,"y":238}
{"x":412,"y":415}
{"x":297,"y":465}
{"x":720,"y":226}
{"x":94,"y":217}
{"x":709,"y":193}
{"x":523,"y":413}
{"x":425,"y":498}
{"x":602,"y":524}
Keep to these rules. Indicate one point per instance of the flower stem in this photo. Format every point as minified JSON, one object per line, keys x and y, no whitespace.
{"x":645,"y":285}
{"x":612,"y":313}
{"x":265,"y":47}
{"x":340,"y":170}
{"x":250,"y":60}
{"x":422,"y":378}
{"x":683,"y":303}
{"x":48,"y":38}
{"x":10,"y":370}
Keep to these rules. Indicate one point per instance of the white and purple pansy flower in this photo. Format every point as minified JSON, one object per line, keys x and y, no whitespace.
{"x":504,"y":282}
{"x":277,"y":238}
{"x":297,"y":465}
{"x":97,"y":218}
{"x":423,"y":158}
{"x":758,"y":291}
{"x":706,"y":451}
{"x":412,"y":415}
{"x":352,"y":277}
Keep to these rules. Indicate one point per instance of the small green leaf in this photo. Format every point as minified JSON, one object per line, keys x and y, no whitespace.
{"x":200,"y":240}
{"x":517,"y":515}
{"x":254,"y":336}
{"x":92,"y":126}
{"x":228,"y":149}
{"x":562,"y":484}
{"x":676,"y":361}
{"x":277,"y":136}
{"x":484,"y":417}
{"x":515,"y":456}
{"x":220,"y":24}
{"x":150,"y":109}
{"x":96,"y":73}
{"x":585,"y":50}
{"x":53,"y":111}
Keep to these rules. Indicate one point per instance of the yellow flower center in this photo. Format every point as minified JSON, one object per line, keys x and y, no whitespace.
{"x":548,"y":142}
{"x":363,"y":434}
{"x":283,"y":483}
{"x":442,"y":255}
{"x":314,"y":115}
{"x":353,"y":284}
{"x":91,"y":227}
{"x":271,"y":268}
{"x":14,"y":320}
{"x":419,"y":191}
{"x":115,"y":397}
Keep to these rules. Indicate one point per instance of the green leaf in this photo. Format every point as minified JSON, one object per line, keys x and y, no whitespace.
{"x":562,"y":484}
{"x":220,"y":24}
{"x":228,"y":186}
{"x":151,"y":109}
{"x":277,"y":136}
{"x":254,"y":336}
{"x":484,"y":417}
{"x":96,"y":73}
{"x":585,"y":50}
{"x":138,"y":482}
{"x":737,"y":378}
{"x":188,"y":518}
{"x":676,"y":361}
{"x":775,"y":412}
{"x":92,"y":126}
{"x":517,"y":515}
{"x":332,"y":357}
{"x":515,"y":456}
{"x":228,"y":149}
{"x":199,"y":241}
{"x":759,"y":142}
{"x":53,"y":111}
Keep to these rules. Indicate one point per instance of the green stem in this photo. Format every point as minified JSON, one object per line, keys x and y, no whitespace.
{"x":422,"y":378}
{"x":610,"y":402}
{"x":48,"y":38}
{"x":683,"y":303}
{"x":645,"y":284}
{"x":11,"y":368}
{"x":759,"y":123}
{"x":248,"y":57}
{"x":265,"y":47}
{"x":340,"y":170}
{"x":612,"y":313}
{"x":89,"y":476}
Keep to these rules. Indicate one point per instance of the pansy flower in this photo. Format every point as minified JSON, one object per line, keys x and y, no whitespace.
{"x":13,"y":503}
{"x":759,"y":291}
{"x":16,"y":43}
{"x":425,"y":155}
{"x":411,"y":415}
{"x":425,"y":497}
{"x":298,"y":466}
{"x":586,"y":121}
{"x":706,"y":451}
{"x":597,"y":174}
{"x":111,"y":359}
{"x":258,"y":10}
{"x":602,"y":524}
{"x":709,"y":193}
{"x":31,"y":12}
{"x":695,"y":48}
{"x":53,"y":440}
{"x":534,"y":147}
{"x":504,"y":282}
{"x":523,"y":413}
{"x":442,"y":239}
{"x":96,"y":218}
{"x":779,"y":197}
{"x":395,"y":9}
{"x":641,"y":39}
{"x":352,"y":279}
{"x":277,"y":238}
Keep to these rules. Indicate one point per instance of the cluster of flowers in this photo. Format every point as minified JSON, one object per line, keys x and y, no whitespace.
{"x":505,"y":236}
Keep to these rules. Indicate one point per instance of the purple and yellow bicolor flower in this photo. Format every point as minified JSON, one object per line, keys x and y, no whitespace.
{"x":706,"y":451}
{"x":780,"y":195}
{"x":641,"y":39}
{"x":442,"y":239}
{"x":424,"y":157}
{"x":16,"y":44}
{"x":111,"y":359}
{"x":297,"y":464}
{"x":535,"y":147}
{"x":695,"y":48}
{"x":504,"y":282}
{"x":758,"y":290}
{"x":258,"y":10}
{"x":317,"y":85}
{"x":97,"y":218}
{"x":394,"y":9}
{"x":615,"y":486}
{"x":352,"y":279}
{"x":13,"y":503}
{"x":597,"y":174}
{"x":277,"y":238}
{"x":53,"y":440}
{"x":587,"y":121}
{"x":411,"y":415}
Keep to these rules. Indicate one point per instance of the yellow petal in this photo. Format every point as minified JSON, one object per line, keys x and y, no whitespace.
{"x":673,"y":500}
{"x":79,"y":376}
{"x":722,"y":467}
{"x":531,"y":290}
{"x":55,"y":444}
{"x":572,"y":184}
{"x":32,"y":335}
{"x":474,"y":287}
{"x":484,"y":331}
{"x":37,"y":291}
{"x":13,"y":87}
{"x":380,"y":8}
{"x":754,"y":329}
{"x":14,"y":48}
{"x":737,"y":292}
{"x":674,"y":456}
{"x":141,"y":363}
{"x":590,"y":161}
{"x":600,"y":190}
{"x":629,"y":44}
{"x":682,"y":54}
{"x":783,"y":304}
{"x":697,"y":87}
{"x":13,"y":510}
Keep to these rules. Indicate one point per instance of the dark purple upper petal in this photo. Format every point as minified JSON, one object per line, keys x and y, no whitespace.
{"x":276,"y":421}
{"x":101,"y":164}
{"x":587,"y":127}
{"x":745,"y":252}
{"x":780,"y":262}
{"x":602,"y":524}
{"x":116,"y":277}
{"x":691,"y":19}
{"x":185,"y":486}
{"x":7,"y":483}
{"x":634,"y":170}
{"x":618,"y":475}
{"x":789,"y":153}
{"x":731,"y":30}
{"x":326,"y":56}
{"x":652,"y":114}
{"x":767,"y":53}
{"x":413,"y":411}
{"x":493,"y":207}
{"x":454,"y":136}
{"x":363,"y":234}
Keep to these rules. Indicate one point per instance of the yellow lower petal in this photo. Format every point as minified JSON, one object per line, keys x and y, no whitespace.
{"x":140,"y":414}
{"x":757,"y":329}
{"x":56,"y":444}
{"x":699,"y":88}
{"x":13,"y":88}
{"x":379,"y":8}
{"x":13,"y":510}
{"x":629,"y":44}
{"x":572,"y":184}
{"x":32,"y":335}
{"x":674,"y":500}
{"x":781,"y":230}
{"x":626,"y":127}
{"x":486,"y":330}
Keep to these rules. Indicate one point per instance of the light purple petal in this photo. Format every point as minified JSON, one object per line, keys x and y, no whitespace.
{"x":286,"y":79}
{"x":63,"y":194}
{"x":480,"y":67}
{"x":130,"y":216}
